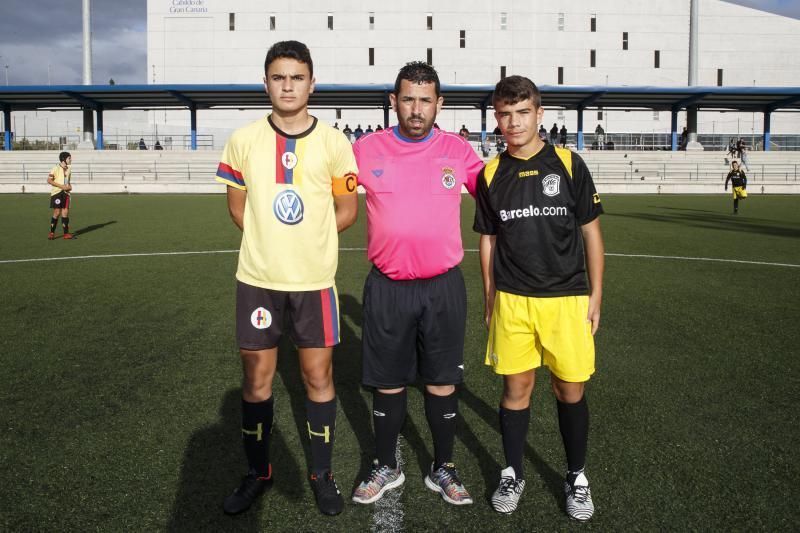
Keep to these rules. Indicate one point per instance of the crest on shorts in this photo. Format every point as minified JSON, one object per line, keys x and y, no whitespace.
{"x":551,"y":184}
{"x":58,"y":201}
{"x":261,"y":318}
{"x":493,"y":359}
{"x":448,"y":178}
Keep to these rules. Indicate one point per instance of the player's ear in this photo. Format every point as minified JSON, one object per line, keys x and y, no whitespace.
{"x":266,"y":86}
{"x":439,"y":103}
{"x":539,"y":114}
{"x":393,"y":101}
{"x":313,"y":82}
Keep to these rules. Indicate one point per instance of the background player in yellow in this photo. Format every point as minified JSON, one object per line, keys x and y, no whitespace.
{"x":291,"y":188}
{"x":537,"y":212}
{"x":59,"y":179}
{"x":738,"y":181}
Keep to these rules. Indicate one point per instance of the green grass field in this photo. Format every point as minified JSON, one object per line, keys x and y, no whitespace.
{"x":120,"y":380}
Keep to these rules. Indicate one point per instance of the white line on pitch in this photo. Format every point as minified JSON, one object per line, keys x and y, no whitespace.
{"x":388,"y":514}
{"x":472,"y":250}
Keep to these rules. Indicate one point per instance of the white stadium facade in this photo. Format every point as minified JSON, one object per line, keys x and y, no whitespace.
{"x":576,"y":43}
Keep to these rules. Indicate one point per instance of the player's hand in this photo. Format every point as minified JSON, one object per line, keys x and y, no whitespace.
{"x":593,"y":315}
{"x":68,"y":188}
{"x":726,"y":188}
{"x":488,"y":308}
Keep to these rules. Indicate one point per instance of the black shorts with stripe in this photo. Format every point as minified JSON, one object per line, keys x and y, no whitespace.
{"x":262,"y":316}
{"x":414,"y":328}
{"x":60,"y":201}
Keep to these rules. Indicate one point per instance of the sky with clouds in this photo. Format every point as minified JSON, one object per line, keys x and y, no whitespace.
{"x":41,"y":40}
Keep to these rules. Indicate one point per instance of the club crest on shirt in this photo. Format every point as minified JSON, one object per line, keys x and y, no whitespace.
{"x":448,"y":178}
{"x":289,"y":160}
{"x":261,"y":318}
{"x":288,"y":207}
{"x":377,"y":172}
{"x":551,"y":184}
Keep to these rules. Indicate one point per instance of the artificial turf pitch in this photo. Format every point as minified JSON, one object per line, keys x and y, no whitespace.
{"x":120,"y":380}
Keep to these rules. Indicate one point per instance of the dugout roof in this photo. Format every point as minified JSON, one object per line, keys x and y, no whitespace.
{"x":115,"y":97}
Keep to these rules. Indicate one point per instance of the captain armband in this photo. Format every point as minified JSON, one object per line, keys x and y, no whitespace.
{"x":345,"y":185}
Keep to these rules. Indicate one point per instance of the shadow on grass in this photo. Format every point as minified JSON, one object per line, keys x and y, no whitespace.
{"x":490,"y":469}
{"x":93,"y":227}
{"x":723,"y":221}
{"x":212,"y":467}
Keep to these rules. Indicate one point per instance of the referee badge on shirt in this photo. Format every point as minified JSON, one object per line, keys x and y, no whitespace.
{"x":261,"y":318}
{"x":448,"y":178}
{"x":551,"y":184}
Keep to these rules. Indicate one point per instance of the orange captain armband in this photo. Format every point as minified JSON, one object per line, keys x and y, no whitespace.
{"x":345,"y":185}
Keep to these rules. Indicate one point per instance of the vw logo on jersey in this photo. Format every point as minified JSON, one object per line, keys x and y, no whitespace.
{"x":261,"y":318}
{"x":289,"y":160}
{"x":551,"y":184}
{"x":288,"y":207}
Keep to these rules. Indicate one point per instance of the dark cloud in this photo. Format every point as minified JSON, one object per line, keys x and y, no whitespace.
{"x":34,"y":35}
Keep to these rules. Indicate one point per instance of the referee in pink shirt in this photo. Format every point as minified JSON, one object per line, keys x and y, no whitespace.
{"x":414,"y":298}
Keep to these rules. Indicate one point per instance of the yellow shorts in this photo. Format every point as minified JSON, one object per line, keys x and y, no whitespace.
{"x":526,"y":332}
{"x":739,"y":192}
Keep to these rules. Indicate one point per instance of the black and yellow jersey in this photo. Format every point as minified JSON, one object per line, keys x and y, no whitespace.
{"x":536,"y":208}
{"x":737,"y":179}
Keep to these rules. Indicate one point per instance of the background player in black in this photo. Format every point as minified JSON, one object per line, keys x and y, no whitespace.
{"x":739,"y":182}
{"x":537,"y":215}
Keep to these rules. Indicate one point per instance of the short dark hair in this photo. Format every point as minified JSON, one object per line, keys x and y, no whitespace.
{"x":515,"y":89}
{"x":291,"y":49}
{"x":417,"y":72}
{"x":63,"y":156}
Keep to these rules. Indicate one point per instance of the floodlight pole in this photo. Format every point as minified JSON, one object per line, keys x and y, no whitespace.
{"x":88,"y":119}
{"x":691,"y":111}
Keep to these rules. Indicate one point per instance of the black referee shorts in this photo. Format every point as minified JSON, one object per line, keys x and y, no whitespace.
{"x":414,"y":328}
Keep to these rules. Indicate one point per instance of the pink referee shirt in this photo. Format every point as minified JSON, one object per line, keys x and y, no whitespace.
{"x":414,"y":200}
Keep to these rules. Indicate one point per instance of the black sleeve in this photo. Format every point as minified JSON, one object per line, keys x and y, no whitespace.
{"x":744,"y":180}
{"x":727,"y":179}
{"x":485,"y":217}
{"x":587,"y":201}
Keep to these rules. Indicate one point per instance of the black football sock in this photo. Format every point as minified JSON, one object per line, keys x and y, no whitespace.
{"x":53,"y":224}
{"x":736,"y":204}
{"x":573,"y":421}
{"x":388,"y":415}
{"x":256,"y":432}
{"x":514,"y":428}
{"x":65,"y":223}
{"x":321,"y":424}
{"x":442,"y":412}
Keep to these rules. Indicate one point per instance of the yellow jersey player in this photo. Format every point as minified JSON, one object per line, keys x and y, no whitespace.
{"x":59,"y":179}
{"x":537,"y":213}
{"x":738,"y":181}
{"x":291,"y":188}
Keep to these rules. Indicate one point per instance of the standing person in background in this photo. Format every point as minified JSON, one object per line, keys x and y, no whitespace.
{"x":738,"y":181}
{"x":291,"y":189}
{"x":563,"y":134}
{"x":553,"y":134}
{"x":542,"y":133}
{"x":60,"y":194}
{"x":414,"y":296}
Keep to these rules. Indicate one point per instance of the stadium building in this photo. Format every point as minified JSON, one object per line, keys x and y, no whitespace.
{"x":581,"y":42}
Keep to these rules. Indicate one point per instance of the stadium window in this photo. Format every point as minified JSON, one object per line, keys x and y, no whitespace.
{"x":272,"y":22}
{"x":656,"y":115}
{"x":330,"y":21}
{"x":430,"y":21}
{"x":657,"y":59}
{"x":462,"y":39}
{"x":624,"y":40}
{"x":503,"y":20}
{"x":231,"y":21}
{"x":371,"y":56}
{"x":719,"y":77}
{"x":372,"y":20}
{"x":503,"y":72}
{"x":561,"y":75}
{"x":599,"y":114}
{"x":592,"y":58}
{"x":430,"y":56}
{"x":338,"y":114}
{"x":561,"y":22}
{"x":560,"y":115}
{"x":593,"y":23}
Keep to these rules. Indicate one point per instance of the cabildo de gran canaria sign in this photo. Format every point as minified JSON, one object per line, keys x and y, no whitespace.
{"x":187,"y":6}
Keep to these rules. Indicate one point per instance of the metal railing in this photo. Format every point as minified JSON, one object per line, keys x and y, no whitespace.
{"x":114,"y":172}
{"x":114,"y":142}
